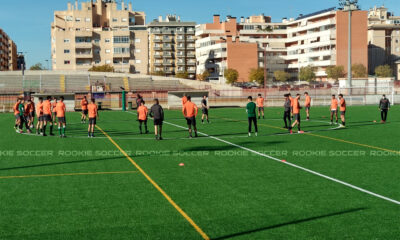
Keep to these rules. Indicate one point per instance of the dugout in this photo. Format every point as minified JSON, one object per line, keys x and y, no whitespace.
{"x":175,"y":102}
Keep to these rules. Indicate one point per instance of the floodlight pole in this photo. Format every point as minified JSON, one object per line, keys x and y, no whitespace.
{"x":349,"y":6}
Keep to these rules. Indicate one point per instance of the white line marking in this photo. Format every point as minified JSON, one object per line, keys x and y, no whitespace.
{"x":296,"y":166}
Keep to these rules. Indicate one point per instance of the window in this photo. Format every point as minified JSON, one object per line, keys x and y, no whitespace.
{"x":67,"y":62}
{"x":108,"y":50}
{"x":121,"y":39}
{"x":132,"y":20}
{"x":87,"y":19}
{"x":69,"y":18}
{"x":397,"y":49}
{"x":66,"y":51}
{"x":138,"y":61}
{"x":97,"y":51}
{"x":97,"y":61}
{"x":115,"y":19}
{"x":97,"y":41}
{"x":107,"y":40}
{"x":66,"y":40}
{"x":124,"y":20}
{"x":108,"y":61}
{"x":119,"y":50}
{"x":77,"y":19}
{"x":78,"y":29}
{"x":137,"y":40}
{"x":137,"y":50}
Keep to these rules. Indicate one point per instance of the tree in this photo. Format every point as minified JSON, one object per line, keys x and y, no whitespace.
{"x":182,"y":75}
{"x":335,"y":72}
{"x":102,"y":68}
{"x":281,"y":76}
{"x":384,"y":71}
{"x":231,"y":75}
{"x":37,"y":66}
{"x":307,"y":74}
{"x":359,"y":70}
{"x":204,"y":76}
{"x":257,"y":75}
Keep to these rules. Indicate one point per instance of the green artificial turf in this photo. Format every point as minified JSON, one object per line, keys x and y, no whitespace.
{"x":229,"y":192}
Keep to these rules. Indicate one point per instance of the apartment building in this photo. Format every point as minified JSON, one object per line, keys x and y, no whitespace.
{"x":172,"y":47}
{"x":219,"y":46}
{"x":383,"y":38}
{"x":12,"y":56}
{"x":8,"y":53}
{"x":318,"y":39}
{"x":97,"y":33}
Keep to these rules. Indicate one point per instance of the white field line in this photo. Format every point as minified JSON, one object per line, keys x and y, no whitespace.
{"x":295,"y":166}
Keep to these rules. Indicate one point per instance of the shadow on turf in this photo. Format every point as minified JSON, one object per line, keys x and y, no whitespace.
{"x":290,"y":223}
{"x":61,"y":163}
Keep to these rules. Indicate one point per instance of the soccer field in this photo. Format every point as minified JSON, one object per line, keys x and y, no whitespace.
{"x":334,"y":183}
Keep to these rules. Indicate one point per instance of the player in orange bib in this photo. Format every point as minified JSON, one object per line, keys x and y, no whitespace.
{"x":47,"y":116}
{"x":39,"y":114}
{"x":184,"y":99}
{"x":334,"y":106}
{"x":142,"y":113}
{"x":307,"y":105}
{"x":53,"y":110}
{"x":84,"y":107}
{"x":60,"y":111}
{"x":260,"y":106}
{"x":93,"y":116}
{"x":32,"y":113}
{"x":342,"y":108}
{"x":16,"y":114}
{"x":296,"y":114}
{"x":291,"y":105}
{"x":190,"y":111}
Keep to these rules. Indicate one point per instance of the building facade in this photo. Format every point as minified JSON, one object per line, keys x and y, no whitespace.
{"x":383,"y":38}
{"x":172,"y":47}
{"x":318,"y":39}
{"x":8,"y":53}
{"x":99,"y":32}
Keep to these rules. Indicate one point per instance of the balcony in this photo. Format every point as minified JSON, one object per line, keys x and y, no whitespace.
{"x":190,"y":40}
{"x":83,"y":44}
{"x":168,"y":64}
{"x":123,"y":55}
{"x":84,"y":55}
{"x":191,"y":63}
{"x":158,"y":64}
{"x":168,"y":40}
{"x":158,"y":48}
{"x":181,"y":63}
{"x":83,"y":33}
{"x":190,"y":47}
{"x":181,"y":47}
{"x":157,"y":40}
{"x":168,"y":48}
{"x":191,"y":70}
{"x":191,"y":55}
{"x":168,"y":56}
{"x":158,"y":56}
{"x":180,"y":40}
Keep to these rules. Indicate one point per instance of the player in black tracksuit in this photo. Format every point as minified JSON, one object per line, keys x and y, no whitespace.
{"x":384,"y":106}
{"x":286,"y":113}
{"x":157,"y":113}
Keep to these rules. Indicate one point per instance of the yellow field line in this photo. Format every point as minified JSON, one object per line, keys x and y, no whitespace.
{"x":169,"y":199}
{"x":66,"y":174}
{"x":329,"y":138}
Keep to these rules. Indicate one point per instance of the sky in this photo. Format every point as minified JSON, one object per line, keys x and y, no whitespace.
{"x":28,"y":22}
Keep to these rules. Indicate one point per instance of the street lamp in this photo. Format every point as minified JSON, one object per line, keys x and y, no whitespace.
{"x":349,"y":6}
